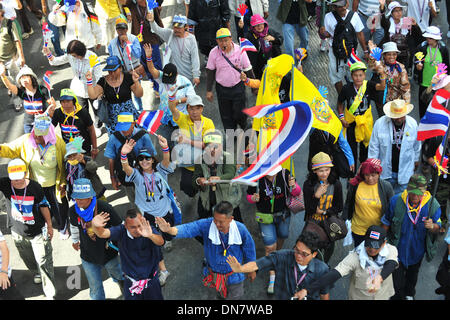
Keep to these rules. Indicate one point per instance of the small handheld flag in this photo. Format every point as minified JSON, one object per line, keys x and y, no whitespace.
{"x":46,"y":33}
{"x":150,"y":120}
{"x":246,"y":45}
{"x":46,"y":79}
{"x":419,"y":56}
{"x":353,"y":58}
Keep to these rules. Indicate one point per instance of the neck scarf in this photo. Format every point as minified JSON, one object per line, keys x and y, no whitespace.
{"x":365,"y":261}
{"x":393,"y":66}
{"x":87,"y":214}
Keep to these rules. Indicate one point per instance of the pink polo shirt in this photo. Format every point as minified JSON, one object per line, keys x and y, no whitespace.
{"x":226,"y":75}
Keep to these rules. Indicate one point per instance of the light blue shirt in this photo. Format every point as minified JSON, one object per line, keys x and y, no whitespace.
{"x":114,"y":49}
{"x":380,"y":147}
{"x":151,"y":197}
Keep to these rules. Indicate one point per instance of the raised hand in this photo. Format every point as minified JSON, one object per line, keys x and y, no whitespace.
{"x":100,"y":220}
{"x":145,"y":230}
{"x":128,"y":146}
{"x":163,"y":225}
{"x":234,"y":264}
{"x":148,"y":50}
{"x":162,"y":142}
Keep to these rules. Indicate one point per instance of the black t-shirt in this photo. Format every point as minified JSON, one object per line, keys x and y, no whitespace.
{"x":124,"y":90}
{"x":294,"y":13}
{"x":268,"y":190}
{"x":26,"y":217}
{"x":75,"y":126}
{"x":90,"y":250}
{"x":33,"y":104}
{"x":397,"y":137}
{"x":348,"y":94}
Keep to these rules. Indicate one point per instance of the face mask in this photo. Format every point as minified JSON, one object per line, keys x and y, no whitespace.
{"x":73,"y":162}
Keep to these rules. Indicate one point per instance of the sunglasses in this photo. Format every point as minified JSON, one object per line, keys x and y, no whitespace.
{"x":140,"y":158}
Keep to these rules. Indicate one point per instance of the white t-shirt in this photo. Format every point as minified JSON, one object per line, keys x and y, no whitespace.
{"x":9,"y":267}
{"x":330,"y":23}
{"x":419,"y":10}
{"x":9,"y":6}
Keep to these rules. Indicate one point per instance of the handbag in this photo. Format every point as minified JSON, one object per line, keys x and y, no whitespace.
{"x":102,"y":111}
{"x":335,"y":228}
{"x":266,"y":218}
{"x":294,"y":203}
{"x":174,"y":203}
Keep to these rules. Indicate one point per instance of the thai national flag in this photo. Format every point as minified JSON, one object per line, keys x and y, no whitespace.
{"x":353,"y":58}
{"x":22,"y":208}
{"x":439,"y":153}
{"x":128,"y":49}
{"x":374,"y":235}
{"x":294,"y":128}
{"x":46,"y":79}
{"x":150,"y":120}
{"x":436,"y":120}
{"x":246,"y":45}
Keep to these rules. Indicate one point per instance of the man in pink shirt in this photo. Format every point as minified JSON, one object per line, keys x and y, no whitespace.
{"x":225,"y":64}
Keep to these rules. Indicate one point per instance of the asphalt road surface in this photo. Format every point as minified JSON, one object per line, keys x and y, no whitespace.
{"x":184,"y":261}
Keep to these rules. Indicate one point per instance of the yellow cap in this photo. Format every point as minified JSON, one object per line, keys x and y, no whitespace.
{"x":120,"y":20}
{"x":222,"y":33}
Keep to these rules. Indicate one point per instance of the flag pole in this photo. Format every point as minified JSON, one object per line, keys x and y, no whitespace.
{"x":436,"y":182}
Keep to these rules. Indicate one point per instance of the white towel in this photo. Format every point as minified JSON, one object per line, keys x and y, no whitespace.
{"x":365,"y":261}
{"x":392,"y":27}
{"x":233,"y":238}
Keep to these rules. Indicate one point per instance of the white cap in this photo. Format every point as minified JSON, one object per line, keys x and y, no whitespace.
{"x":17,"y":169}
{"x":432,"y":32}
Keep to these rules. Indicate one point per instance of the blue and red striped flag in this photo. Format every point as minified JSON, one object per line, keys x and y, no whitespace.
{"x":46,"y":79}
{"x":150,"y":120}
{"x":246,"y":45}
{"x":353,"y":58}
{"x":439,"y":153}
{"x":294,"y":128}
{"x":436,"y":120}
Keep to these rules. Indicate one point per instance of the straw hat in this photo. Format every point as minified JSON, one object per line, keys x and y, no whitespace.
{"x":321,"y":160}
{"x":397,"y":108}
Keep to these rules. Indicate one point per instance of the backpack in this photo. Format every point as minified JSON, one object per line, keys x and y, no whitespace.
{"x":344,"y":39}
{"x":131,"y":156}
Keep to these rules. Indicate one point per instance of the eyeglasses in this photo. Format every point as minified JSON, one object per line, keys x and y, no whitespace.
{"x":140,"y":158}
{"x":301,"y":253}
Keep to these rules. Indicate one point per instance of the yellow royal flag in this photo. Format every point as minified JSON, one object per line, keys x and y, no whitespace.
{"x":324,"y":117}
{"x":93,"y":60}
{"x":268,"y":126}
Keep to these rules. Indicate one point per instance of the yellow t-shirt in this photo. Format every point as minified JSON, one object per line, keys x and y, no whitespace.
{"x":110,"y":7}
{"x":367,"y":208}
{"x":194,"y":132}
{"x":45,"y":172}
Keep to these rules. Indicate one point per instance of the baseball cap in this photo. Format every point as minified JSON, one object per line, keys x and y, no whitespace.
{"x":194,"y":100}
{"x":121,"y":23}
{"x":82,"y":189}
{"x":417,"y":184}
{"x":124,"y":121}
{"x":339,"y":3}
{"x":17,"y":169}
{"x":41,"y":125}
{"x":144,"y":152}
{"x":375,"y":237}
{"x":223,"y":33}
{"x":179,"y":21}
{"x":212,"y":137}
{"x":112,"y":63}
{"x":169,"y":73}
{"x":359,"y":65}
{"x":67,"y":94}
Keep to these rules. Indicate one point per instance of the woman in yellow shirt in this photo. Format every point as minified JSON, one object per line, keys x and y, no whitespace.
{"x":368,"y":198}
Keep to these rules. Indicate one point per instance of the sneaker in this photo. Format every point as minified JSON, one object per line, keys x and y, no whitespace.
{"x":37,"y":279}
{"x":168,"y":246}
{"x":409,"y":298}
{"x":324,"y":45}
{"x":26,"y":35}
{"x":270,"y":288}
{"x":163,"y":275}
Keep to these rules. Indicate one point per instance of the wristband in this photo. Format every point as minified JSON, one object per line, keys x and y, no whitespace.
{"x":123,"y":156}
{"x":171,"y":98}
{"x":247,"y":81}
{"x":341,"y":116}
{"x":165,"y":150}
{"x":3,"y":271}
{"x":89,"y":82}
{"x":149,"y":59}
{"x":49,"y":56}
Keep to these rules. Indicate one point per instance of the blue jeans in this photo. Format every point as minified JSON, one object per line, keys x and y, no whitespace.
{"x":279,"y":229}
{"x":395,"y":185}
{"x":377,"y":35}
{"x":94,"y":276}
{"x":289,"y":31}
{"x":55,"y":39}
